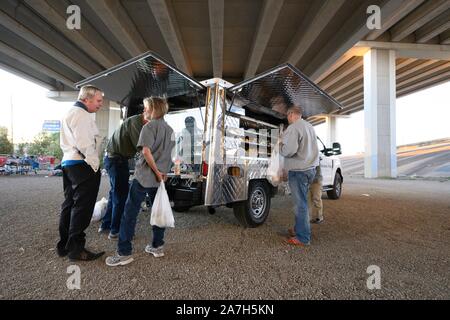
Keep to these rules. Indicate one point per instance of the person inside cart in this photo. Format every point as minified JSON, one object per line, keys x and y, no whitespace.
{"x":299,"y":147}
{"x":155,"y":148}
{"x":121,"y":147}
{"x":190,"y":139}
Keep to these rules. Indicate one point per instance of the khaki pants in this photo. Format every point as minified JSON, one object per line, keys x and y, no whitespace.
{"x":315,"y":207}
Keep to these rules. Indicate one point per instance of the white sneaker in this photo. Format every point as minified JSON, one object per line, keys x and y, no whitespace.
{"x":118,"y":260}
{"x":317,"y":220}
{"x":113,"y":236}
{"x":101,"y":230}
{"x":156,"y":252}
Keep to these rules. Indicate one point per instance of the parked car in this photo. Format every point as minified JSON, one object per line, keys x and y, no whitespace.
{"x":331,"y":167}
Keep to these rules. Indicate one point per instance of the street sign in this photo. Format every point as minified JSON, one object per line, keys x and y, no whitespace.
{"x":51,"y":126}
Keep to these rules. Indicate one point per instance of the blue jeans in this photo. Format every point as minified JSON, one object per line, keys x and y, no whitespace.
{"x":119,"y":174}
{"x":299,"y":182}
{"x":128,"y":224}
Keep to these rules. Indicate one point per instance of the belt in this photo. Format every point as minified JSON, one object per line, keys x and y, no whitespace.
{"x":115,"y":156}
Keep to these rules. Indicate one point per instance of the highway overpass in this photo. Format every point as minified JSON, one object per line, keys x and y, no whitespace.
{"x":328,"y":40}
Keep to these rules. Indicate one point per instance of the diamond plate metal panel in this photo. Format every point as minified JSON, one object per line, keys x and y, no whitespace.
{"x":215,"y":134}
{"x":234,"y":188}
{"x":274,"y":91}
{"x":144,"y":76}
{"x":230,"y":145}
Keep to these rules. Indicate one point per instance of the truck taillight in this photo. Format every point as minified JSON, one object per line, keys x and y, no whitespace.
{"x":204,"y":169}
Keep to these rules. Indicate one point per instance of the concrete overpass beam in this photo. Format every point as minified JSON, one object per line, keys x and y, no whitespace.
{"x":425,"y":13}
{"x":353,"y":30}
{"x":323,"y":13}
{"x":445,"y":37}
{"x":165,"y":17}
{"x":379,"y":113}
{"x":28,"y":35}
{"x":267,"y":20}
{"x":410,"y":50}
{"x":86,"y":39}
{"x":216,"y":22}
{"x":112,"y":14}
{"x":433,"y":28}
{"x":33,"y":64}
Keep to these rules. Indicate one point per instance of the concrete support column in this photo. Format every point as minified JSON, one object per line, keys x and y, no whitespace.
{"x":102,"y":119}
{"x":379,"y":114}
{"x":115,"y":119}
{"x":330,"y":122}
{"x":108,"y":118}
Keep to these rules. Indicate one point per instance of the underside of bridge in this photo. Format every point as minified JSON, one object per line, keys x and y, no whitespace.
{"x":328,"y":40}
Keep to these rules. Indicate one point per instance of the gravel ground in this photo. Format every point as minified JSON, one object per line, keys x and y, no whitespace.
{"x":399,"y":225}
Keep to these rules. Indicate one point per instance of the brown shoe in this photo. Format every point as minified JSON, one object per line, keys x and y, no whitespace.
{"x":295,"y":242}
{"x":291,"y":232}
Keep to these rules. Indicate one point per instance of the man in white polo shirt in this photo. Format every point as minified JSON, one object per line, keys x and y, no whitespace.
{"x":80,"y":142}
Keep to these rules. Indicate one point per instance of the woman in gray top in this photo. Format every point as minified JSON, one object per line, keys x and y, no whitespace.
{"x":155,"y":144}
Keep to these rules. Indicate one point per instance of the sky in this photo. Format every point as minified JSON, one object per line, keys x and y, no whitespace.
{"x":421,"y":116}
{"x":30,"y":107}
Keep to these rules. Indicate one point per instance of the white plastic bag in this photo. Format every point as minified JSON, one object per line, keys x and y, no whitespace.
{"x":100,"y":209}
{"x":162,"y":215}
{"x":275,"y":171}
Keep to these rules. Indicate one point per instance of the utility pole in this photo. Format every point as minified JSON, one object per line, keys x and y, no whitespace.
{"x":12,"y":122}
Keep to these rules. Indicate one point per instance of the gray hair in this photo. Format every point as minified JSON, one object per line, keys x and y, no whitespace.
{"x":88,"y":92}
{"x":296,"y":110}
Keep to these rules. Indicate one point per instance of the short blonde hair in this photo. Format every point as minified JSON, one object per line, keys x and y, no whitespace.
{"x":148,"y":101}
{"x":88,"y":92}
{"x":158,"y":105}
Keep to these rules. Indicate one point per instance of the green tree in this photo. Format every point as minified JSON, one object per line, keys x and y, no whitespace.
{"x":40,"y":144}
{"x":46,"y":144}
{"x":6,"y":147}
{"x":54,"y":148}
{"x":21,"y":148}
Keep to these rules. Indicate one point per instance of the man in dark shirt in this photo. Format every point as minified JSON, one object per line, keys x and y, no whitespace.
{"x":121,"y":147}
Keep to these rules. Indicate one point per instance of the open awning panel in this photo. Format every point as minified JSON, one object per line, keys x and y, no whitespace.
{"x":273,"y":92}
{"x":144,"y":76}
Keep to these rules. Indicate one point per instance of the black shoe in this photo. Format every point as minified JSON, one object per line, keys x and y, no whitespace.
{"x":317,"y":221}
{"x":85,"y":255}
{"x":61,"y":251}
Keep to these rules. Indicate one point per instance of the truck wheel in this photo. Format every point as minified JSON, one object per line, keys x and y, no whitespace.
{"x":254,"y":211}
{"x":181,"y":208}
{"x":336,"y":192}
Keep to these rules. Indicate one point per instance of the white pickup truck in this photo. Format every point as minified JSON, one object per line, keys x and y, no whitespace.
{"x":331,"y":168}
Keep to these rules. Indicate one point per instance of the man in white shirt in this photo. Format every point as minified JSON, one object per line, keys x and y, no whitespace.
{"x":80,"y":142}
